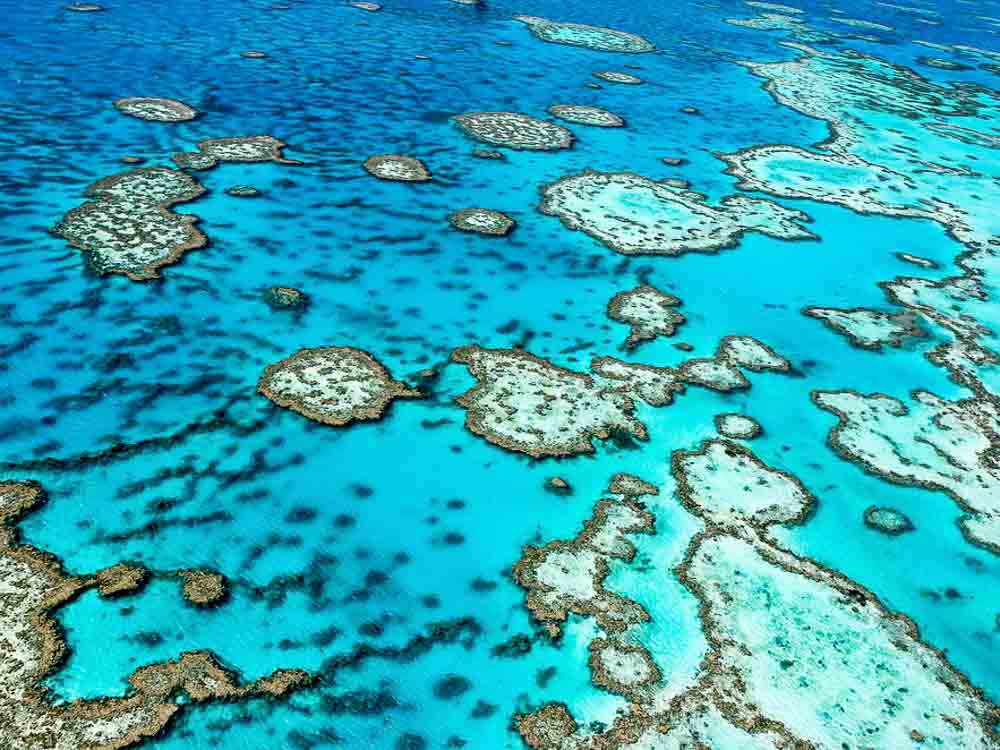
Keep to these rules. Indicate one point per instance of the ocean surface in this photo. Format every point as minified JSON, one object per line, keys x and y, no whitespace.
{"x":377,"y":555}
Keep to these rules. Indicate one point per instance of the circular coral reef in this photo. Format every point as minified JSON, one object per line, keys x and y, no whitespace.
{"x":482,"y":221}
{"x":203,"y":588}
{"x":397,"y":168}
{"x":737,"y":426}
{"x":332,"y":385}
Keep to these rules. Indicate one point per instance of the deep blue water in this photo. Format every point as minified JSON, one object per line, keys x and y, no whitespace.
{"x":386,"y":273}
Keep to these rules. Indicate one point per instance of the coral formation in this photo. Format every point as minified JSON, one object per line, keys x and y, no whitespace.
{"x":128,"y":227}
{"x":634,"y":215}
{"x":869,"y":329}
{"x":932,"y":443}
{"x":616,"y":76}
{"x":568,"y":576}
{"x":737,"y":426}
{"x":32,"y":647}
{"x":514,"y":130}
{"x":156,"y":110}
{"x":524,"y":403}
{"x":887,"y":520}
{"x":798,"y":655}
{"x":584,"y":115}
{"x":242,"y":149}
{"x":397,"y":168}
{"x":203,"y":588}
{"x":482,"y":221}
{"x":596,"y":38}
{"x":286,"y":297}
{"x":333,"y":385}
{"x":648,"y":311}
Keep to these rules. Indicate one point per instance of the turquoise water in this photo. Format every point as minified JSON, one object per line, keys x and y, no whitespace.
{"x":335,"y":539}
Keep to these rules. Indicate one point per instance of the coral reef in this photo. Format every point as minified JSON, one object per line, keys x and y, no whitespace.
{"x":514,"y":130}
{"x":932,"y":443}
{"x":737,"y":426}
{"x":887,"y":520}
{"x":596,"y":38}
{"x":524,"y":403}
{"x":634,"y":215}
{"x":156,"y":110}
{"x":243,"y":149}
{"x":617,"y":76}
{"x":397,"y":168}
{"x":128,"y":227}
{"x":332,"y":385}
{"x":203,"y":588}
{"x":648,"y":311}
{"x":584,"y":115}
{"x":482,"y":221}
{"x":798,"y":655}
{"x":869,"y":329}
{"x":32,"y":647}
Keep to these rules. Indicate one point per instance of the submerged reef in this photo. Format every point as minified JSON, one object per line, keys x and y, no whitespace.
{"x":585,"y":115}
{"x":242,"y":149}
{"x":597,"y":38}
{"x":156,"y":110}
{"x":514,"y":130}
{"x":482,"y":221}
{"x":243,"y":191}
{"x":128,"y":227}
{"x":332,"y":385}
{"x":286,"y":298}
{"x":397,"y":168}
{"x":634,"y":215}
{"x":869,"y":329}
{"x":32,"y":648}
{"x":615,"y":76}
{"x":526,"y":404}
{"x":798,"y":655}
{"x":648,"y":311}
{"x":932,"y":443}
{"x":887,"y":520}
